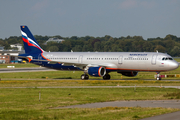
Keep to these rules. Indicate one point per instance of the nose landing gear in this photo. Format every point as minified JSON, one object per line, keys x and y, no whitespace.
{"x":158,"y":77}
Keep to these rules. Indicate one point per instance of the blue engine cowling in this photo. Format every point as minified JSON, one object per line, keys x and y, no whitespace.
{"x":97,"y":71}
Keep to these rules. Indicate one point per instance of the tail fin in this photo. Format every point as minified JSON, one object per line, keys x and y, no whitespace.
{"x":30,"y":43}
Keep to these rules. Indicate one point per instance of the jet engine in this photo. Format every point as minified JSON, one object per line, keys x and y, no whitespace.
{"x":129,"y":74}
{"x":97,"y":71}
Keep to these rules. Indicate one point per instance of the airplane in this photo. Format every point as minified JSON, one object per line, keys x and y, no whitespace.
{"x":98,"y":64}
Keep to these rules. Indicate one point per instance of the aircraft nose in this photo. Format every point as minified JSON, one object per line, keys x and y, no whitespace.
{"x":174,"y":65}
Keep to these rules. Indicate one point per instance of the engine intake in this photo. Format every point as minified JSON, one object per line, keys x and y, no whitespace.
{"x":97,"y":71}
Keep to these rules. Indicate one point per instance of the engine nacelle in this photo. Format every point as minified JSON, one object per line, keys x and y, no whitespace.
{"x":97,"y":71}
{"x":129,"y":74}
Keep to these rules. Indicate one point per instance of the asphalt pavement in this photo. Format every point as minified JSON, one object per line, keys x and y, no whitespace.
{"x":139,"y":103}
{"x":130,"y":103}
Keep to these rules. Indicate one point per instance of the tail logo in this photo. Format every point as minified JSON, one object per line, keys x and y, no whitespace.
{"x":29,"y":41}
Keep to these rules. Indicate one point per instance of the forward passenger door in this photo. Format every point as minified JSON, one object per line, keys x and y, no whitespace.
{"x":153,"y":61}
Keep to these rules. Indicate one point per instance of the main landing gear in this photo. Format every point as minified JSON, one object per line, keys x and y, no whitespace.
{"x":106,"y":77}
{"x":84,"y":77}
{"x":158,"y":77}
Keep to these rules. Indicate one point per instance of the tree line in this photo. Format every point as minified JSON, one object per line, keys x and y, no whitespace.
{"x":170,"y":44}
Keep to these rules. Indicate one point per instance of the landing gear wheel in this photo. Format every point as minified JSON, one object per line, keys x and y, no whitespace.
{"x":106,"y":77}
{"x":84,"y":77}
{"x":158,"y":77}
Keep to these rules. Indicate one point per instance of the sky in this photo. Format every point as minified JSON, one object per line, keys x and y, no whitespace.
{"x":97,"y":18}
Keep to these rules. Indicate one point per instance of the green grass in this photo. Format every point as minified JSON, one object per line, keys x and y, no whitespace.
{"x":56,"y":78}
{"x":77,"y":74}
{"x":45,"y":83}
{"x":24,"y":103}
{"x":177,"y":59}
{"x":107,"y":113}
{"x":29,"y":97}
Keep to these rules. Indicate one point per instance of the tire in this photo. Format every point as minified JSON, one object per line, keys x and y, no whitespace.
{"x":106,"y":77}
{"x":84,"y":77}
{"x":158,"y":78}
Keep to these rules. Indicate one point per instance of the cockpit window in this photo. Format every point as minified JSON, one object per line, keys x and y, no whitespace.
{"x":167,"y":58}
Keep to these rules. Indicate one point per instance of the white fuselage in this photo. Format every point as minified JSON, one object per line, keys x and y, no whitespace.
{"x":125,"y":61}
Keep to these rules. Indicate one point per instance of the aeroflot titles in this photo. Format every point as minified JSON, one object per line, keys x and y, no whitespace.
{"x":138,"y":54}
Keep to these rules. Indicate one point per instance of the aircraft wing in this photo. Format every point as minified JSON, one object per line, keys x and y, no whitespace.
{"x":81,"y":65}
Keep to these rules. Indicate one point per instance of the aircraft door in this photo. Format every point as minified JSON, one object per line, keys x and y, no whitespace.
{"x":153,"y":61}
{"x":120,"y":59}
{"x":80,"y":59}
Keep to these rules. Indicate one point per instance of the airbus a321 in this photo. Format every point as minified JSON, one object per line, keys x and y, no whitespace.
{"x":98,"y":64}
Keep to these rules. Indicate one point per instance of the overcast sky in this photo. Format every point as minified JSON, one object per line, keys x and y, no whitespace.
{"x":146,"y":18}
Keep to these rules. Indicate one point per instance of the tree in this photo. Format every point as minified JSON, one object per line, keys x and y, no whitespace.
{"x":170,"y":37}
{"x":67,"y":46}
{"x":94,"y":41}
{"x":148,"y":47}
{"x":116,"y":48}
{"x":106,"y":37}
{"x":53,"y":49}
{"x":74,"y":38}
{"x":97,"y":46}
{"x":160,"y":48}
{"x":138,"y":38}
{"x":77,"y":48}
{"x":175,"y":51}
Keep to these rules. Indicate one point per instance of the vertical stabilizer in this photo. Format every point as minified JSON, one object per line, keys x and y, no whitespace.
{"x":30,"y":43}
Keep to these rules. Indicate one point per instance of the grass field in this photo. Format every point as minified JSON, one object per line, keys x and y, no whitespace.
{"x":23,"y":103}
{"x":45,"y":83}
{"x":77,"y":74}
{"x":177,"y":59}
